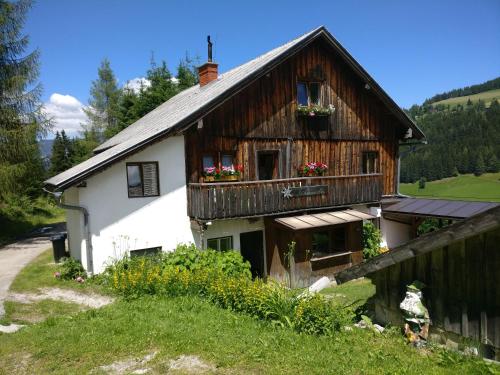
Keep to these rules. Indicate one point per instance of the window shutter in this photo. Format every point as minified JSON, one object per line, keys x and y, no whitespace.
{"x":150,"y":179}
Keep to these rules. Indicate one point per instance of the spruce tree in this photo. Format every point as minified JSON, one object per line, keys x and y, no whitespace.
{"x":103,"y":108}
{"x":62,"y":154}
{"x":21,"y":119}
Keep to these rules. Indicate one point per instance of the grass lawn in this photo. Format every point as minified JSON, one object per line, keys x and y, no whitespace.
{"x":78,"y":342}
{"x":468,"y":187}
{"x":486,"y":97}
{"x":40,"y":274}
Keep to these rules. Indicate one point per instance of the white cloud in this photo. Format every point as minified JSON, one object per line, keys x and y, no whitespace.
{"x":66,"y":112}
{"x":135,"y":84}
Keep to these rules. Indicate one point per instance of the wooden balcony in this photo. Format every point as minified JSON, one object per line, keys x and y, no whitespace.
{"x":208,"y":201}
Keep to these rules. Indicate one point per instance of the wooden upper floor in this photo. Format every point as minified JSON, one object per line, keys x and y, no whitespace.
{"x":266,"y":131}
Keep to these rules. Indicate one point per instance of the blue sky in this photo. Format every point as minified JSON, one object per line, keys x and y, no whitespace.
{"x":414,"y":49}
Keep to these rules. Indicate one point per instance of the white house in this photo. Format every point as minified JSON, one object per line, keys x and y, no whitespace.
{"x":263,"y":123}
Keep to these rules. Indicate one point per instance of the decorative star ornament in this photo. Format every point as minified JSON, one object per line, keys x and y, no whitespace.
{"x":287,"y":192}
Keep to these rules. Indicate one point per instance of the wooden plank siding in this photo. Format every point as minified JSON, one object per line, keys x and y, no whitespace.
{"x":263,"y":117}
{"x":461,"y":294}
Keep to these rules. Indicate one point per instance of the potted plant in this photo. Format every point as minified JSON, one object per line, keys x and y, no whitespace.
{"x":210,"y":174}
{"x":231,"y":173}
{"x":313,"y":169}
{"x":315,"y":110}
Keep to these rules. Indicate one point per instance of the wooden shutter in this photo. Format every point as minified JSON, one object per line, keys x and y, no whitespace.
{"x":150,"y":179}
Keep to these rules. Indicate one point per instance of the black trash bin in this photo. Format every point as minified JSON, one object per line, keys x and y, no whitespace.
{"x":59,"y":246}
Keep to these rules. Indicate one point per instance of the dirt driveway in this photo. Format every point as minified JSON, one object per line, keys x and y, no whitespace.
{"x":14,"y":257}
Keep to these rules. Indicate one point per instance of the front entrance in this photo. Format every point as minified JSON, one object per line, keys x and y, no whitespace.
{"x":252,"y":250}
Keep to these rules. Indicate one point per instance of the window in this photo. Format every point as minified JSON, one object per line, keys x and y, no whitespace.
{"x":145,"y":252}
{"x":208,"y":161}
{"x":309,"y":93}
{"x":142,"y":179}
{"x":370,"y":162}
{"x":221,"y":243}
{"x":226,"y":160}
{"x":219,"y":160}
{"x":328,"y":241}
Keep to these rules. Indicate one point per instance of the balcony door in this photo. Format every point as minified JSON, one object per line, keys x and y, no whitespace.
{"x":268,"y":165}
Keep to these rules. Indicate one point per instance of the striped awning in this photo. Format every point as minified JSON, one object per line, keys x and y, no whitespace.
{"x":322,"y":219}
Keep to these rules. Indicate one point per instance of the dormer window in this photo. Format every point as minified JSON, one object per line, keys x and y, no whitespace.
{"x":308,"y":93}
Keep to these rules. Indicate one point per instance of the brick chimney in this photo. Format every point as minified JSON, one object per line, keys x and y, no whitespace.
{"x":208,"y":72}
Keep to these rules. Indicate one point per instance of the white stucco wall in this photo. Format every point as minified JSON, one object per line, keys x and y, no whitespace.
{"x":119,"y":223}
{"x":394,"y":233}
{"x":232,"y":227}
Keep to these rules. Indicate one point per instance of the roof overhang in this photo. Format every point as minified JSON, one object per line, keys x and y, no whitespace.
{"x":324,"y":219}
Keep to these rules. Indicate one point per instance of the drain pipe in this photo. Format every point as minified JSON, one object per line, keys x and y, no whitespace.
{"x":58,"y":196}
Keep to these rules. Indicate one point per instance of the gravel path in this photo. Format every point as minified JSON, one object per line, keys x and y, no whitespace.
{"x":13,"y":258}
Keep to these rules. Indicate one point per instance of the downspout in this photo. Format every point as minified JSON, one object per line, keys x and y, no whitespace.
{"x":85,"y":212}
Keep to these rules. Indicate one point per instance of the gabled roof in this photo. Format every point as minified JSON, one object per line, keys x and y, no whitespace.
{"x":184,"y":109}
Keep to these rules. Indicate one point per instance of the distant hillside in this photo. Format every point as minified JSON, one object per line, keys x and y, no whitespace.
{"x":465,"y":91}
{"x":463,"y":135}
{"x":468,"y":187}
{"x":486,"y":97}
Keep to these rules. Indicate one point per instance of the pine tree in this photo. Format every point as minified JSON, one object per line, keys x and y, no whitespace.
{"x":479,"y":167}
{"x":161,"y":89}
{"x":187,"y":75}
{"x":21,"y":118}
{"x":62,"y":157}
{"x":103,"y":109}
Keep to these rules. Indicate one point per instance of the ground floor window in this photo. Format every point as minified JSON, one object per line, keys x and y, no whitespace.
{"x":220,"y":243}
{"x":143,"y":252}
{"x":328,"y":241}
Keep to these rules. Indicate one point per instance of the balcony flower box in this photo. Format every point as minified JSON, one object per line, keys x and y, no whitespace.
{"x":312,"y":169}
{"x":315,"y":110}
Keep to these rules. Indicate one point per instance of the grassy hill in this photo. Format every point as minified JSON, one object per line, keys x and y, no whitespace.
{"x":467,"y":187}
{"x":486,"y":97}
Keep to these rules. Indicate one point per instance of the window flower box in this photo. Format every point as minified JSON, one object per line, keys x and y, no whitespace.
{"x":312,"y":169}
{"x":226,"y":173}
{"x":315,"y":110}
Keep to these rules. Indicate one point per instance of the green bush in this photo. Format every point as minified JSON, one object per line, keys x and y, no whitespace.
{"x":188,"y":257}
{"x":371,"y":240}
{"x":70,"y":269}
{"x":225,"y":280}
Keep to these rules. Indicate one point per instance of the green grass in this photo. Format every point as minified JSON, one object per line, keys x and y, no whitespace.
{"x":486,"y":97}
{"x":234,"y":343}
{"x":40,"y":274}
{"x":29,"y":313}
{"x":356,"y":291}
{"x":467,"y":187}
{"x":20,"y":215}
{"x":68,"y":341}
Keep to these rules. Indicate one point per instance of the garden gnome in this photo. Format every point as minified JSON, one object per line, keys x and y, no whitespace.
{"x":415,"y":314}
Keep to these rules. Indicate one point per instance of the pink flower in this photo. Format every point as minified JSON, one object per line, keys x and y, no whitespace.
{"x":57,"y":275}
{"x":312,"y":114}
{"x":80,"y":279}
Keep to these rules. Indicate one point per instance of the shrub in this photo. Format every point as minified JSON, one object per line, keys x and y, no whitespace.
{"x":70,"y":269}
{"x":371,"y":240}
{"x":224,"y":279}
{"x":188,"y":257}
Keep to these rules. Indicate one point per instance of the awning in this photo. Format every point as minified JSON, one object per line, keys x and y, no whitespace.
{"x":440,"y":208}
{"x":322,"y":219}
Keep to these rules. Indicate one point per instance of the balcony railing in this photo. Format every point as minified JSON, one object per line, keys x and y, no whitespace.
{"x":208,"y":201}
